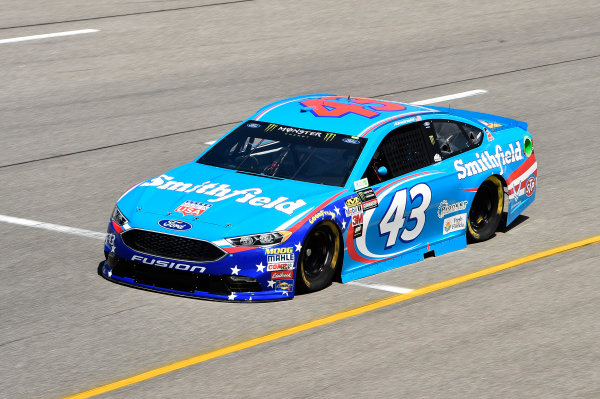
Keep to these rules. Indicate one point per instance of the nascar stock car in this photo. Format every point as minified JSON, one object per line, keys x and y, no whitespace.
{"x":316,"y":188}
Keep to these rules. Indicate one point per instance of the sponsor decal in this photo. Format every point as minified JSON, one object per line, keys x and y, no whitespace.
{"x":109,"y":241}
{"x":280,"y":266}
{"x":370,"y":204}
{"x":352,"y":202}
{"x":192,"y":208}
{"x":355,"y":210}
{"x":408,"y":120}
{"x":285,"y":285}
{"x":530,"y":186}
{"x":491,"y":125}
{"x":485,"y":161}
{"x":271,"y":127}
{"x":368,"y":199}
{"x":280,"y":258}
{"x":329,"y":136}
{"x":455,"y":223}
{"x":253,"y":125}
{"x":351,"y":141}
{"x":358,"y":230}
{"x":489,"y":135}
{"x":445,"y":208}
{"x":282,"y":275}
{"x":222,"y":192}
{"x":167,"y":264}
{"x":173,"y":224}
{"x":437,"y":158}
{"x":360,"y":184}
{"x":297,"y":132}
{"x":321,"y":214}
{"x":357,"y":219}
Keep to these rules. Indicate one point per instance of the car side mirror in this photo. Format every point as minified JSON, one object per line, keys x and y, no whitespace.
{"x":382,"y":171}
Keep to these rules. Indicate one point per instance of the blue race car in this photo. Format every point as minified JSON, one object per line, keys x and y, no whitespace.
{"x":316,"y":188}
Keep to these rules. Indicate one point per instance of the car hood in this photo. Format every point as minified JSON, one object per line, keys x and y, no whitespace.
{"x":223,"y":202}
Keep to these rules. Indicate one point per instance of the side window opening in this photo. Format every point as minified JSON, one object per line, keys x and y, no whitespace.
{"x":402,"y":151}
{"x":456,"y":137}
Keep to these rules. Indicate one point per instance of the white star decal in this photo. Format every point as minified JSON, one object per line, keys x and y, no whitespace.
{"x":337,"y":210}
{"x":112,"y":248}
{"x":235,"y":270}
{"x":231,"y":297}
{"x":298,"y":247}
{"x":250,"y":298}
{"x":271,"y":283}
{"x":260,"y":268}
{"x":284,"y":293}
{"x":343,"y":225}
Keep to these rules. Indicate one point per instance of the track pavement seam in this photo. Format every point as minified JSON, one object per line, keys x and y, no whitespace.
{"x":374,"y":96}
{"x":126,"y":15}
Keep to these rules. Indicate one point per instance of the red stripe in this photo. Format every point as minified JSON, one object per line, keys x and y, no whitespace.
{"x":521,"y":169}
{"x":233,"y":250}
{"x":117,"y":228}
{"x":399,"y":180}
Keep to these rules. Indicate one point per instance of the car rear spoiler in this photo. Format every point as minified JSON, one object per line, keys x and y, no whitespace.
{"x":491,"y":121}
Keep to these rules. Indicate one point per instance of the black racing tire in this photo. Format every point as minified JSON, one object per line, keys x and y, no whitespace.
{"x":486,"y":210}
{"x":319,"y":258}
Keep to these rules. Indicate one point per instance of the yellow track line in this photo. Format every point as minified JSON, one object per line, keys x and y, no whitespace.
{"x":330,"y":319}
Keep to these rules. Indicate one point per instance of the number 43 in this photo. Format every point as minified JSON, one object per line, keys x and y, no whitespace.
{"x":393,"y":220}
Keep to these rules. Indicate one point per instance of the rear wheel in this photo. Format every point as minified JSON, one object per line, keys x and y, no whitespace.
{"x":486,"y":210}
{"x":319,"y":258}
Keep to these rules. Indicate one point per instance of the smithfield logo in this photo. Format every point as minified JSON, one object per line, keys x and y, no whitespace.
{"x":485,"y":161}
{"x":172,"y":224}
{"x":223,"y":192}
{"x":445,"y":208}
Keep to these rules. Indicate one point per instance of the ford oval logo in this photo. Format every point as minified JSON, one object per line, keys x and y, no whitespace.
{"x":253,"y":125}
{"x":173,"y":224}
{"x":351,"y":141}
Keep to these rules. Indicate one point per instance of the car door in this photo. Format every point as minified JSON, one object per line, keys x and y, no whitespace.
{"x":408,"y":186}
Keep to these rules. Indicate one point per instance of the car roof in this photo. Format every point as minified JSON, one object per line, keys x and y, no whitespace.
{"x":355,"y":116}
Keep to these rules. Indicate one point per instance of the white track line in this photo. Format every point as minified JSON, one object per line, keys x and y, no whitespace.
{"x":210,"y":142}
{"x":53,"y":227}
{"x":382,"y":287}
{"x":48,"y":35}
{"x":449,"y":97}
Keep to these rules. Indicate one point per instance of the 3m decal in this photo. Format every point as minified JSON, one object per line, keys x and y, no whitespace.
{"x":337,"y":107}
{"x":393,"y":221}
{"x":192,"y":208}
{"x":485,"y":161}
{"x":357,"y":219}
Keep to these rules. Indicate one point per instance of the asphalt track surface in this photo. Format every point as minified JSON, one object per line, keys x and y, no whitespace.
{"x":86,"y":116}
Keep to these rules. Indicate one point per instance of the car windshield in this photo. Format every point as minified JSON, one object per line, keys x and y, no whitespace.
{"x":287,"y":152}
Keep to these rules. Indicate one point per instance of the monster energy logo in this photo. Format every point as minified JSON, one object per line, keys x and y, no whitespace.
{"x":329,"y":137}
{"x":271,"y":127}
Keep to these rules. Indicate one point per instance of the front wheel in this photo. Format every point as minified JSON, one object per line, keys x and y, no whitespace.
{"x":319,"y":258}
{"x":486,"y":210}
